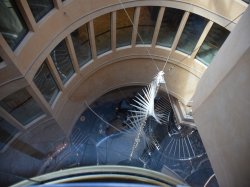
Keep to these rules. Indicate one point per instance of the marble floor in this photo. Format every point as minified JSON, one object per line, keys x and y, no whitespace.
{"x":101,"y":136}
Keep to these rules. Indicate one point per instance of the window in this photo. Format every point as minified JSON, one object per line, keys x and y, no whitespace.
{"x":212,"y":43}
{"x":12,"y":25}
{"x":169,"y":26}
{"x":7,"y":132}
{"x":124,"y":25}
{"x":80,"y":38}
{"x":46,"y":83}
{"x":62,"y":61}
{"x":102,"y":28}
{"x":146,"y":26}
{"x":40,"y":8}
{"x":21,"y":106}
{"x":191,"y":33}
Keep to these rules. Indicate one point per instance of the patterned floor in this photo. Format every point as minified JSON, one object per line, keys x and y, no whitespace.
{"x":101,"y":137}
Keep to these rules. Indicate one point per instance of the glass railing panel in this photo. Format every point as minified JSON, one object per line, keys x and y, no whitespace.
{"x":21,"y":106}
{"x":45,"y":83}
{"x":169,"y":26}
{"x":7,"y":132}
{"x":80,"y":38}
{"x":212,"y":43}
{"x":102,"y":27}
{"x":12,"y":25}
{"x":62,"y":61}
{"x":191,"y":33}
{"x":246,"y":1}
{"x":124,"y":26}
{"x":146,"y":26}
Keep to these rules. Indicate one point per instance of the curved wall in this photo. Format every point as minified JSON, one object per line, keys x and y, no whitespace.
{"x":72,"y":14}
{"x":120,"y":74}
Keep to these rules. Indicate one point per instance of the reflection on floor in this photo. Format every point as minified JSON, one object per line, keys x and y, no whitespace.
{"x":25,"y":156}
{"x":174,"y":151}
{"x":101,"y":136}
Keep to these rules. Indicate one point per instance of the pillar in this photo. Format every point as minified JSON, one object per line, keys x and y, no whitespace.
{"x":221,"y":108}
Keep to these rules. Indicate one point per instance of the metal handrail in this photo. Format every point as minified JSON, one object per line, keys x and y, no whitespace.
{"x":106,"y":173}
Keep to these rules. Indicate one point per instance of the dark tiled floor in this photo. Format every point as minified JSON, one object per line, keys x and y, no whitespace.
{"x":173,"y":151}
{"x":94,"y":142}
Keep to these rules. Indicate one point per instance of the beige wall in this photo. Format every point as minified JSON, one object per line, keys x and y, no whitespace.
{"x":222,"y":108}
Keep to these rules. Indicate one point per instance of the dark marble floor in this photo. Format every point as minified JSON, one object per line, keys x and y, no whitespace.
{"x":174,"y":151}
{"x":102,"y":136}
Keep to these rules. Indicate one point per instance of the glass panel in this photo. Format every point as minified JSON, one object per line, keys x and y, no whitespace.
{"x":12,"y":25}
{"x":170,"y":23}
{"x":21,"y":106}
{"x":124,"y":26}
{"x":146,"y":26}
{"x":191,"y":33}
{"x":62,"y":61}
{"x":40,"y":8}
{"x":212,"y":43}
{"x":102,"y":27}
{"x":80,"y":38}
{"x":46,"y":83}
{"x":247,"y":1}
{"x":7,"y":132}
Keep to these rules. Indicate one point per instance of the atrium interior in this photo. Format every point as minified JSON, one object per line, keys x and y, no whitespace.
{"x":158,"y":88}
